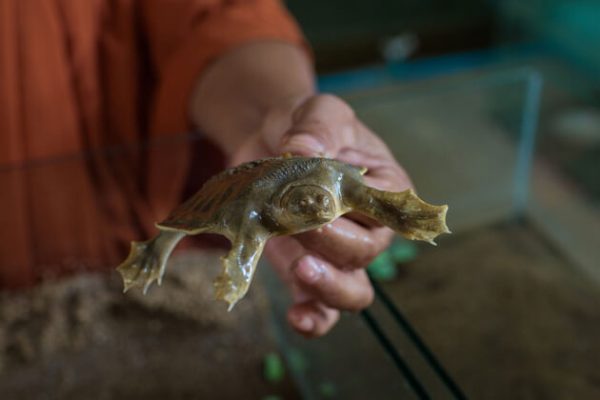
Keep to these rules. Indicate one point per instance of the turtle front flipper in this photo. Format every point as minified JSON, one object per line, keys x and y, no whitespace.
{"x":239,"y":266}
{"x":147,"y":260}
{"x":404,"y":212}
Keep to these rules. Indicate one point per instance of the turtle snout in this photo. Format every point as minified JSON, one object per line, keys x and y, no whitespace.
{"x":322,"y":207}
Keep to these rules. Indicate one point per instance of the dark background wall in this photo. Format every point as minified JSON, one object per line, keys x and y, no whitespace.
{"x":350,"y":33}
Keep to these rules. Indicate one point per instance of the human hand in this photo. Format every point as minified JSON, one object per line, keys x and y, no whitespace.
{"x":325,"y":268}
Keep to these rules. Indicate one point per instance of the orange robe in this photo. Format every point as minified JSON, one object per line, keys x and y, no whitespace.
{"x":83,"y":81}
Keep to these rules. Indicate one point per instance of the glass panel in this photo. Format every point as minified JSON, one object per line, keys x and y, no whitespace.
{"x":507,"y":301}
{"x":348,"y":363}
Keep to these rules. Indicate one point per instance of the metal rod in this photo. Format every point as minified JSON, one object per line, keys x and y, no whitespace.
{"x":416,"y":339}
{"x":412,"y":380}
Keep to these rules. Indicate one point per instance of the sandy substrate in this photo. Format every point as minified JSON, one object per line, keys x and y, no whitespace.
{"x":507,"y":317}
{"x":81,"y":338}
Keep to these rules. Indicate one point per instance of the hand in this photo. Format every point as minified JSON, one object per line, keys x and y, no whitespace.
{"x":245,"y":102}
{"x":325,"y":268}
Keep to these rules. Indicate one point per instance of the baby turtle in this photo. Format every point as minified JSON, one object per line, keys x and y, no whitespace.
{"x":270,"y":197}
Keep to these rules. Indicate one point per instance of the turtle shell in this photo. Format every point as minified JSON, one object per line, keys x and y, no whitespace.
{"x":220,"y":194}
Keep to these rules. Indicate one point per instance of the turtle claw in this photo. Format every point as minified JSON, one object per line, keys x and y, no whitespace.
{"x":146,"y":286}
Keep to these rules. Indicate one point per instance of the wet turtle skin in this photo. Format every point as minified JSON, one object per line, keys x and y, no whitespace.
{"x":257,"y":200}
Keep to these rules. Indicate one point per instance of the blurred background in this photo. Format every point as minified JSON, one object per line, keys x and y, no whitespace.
{"x":494,"y":108}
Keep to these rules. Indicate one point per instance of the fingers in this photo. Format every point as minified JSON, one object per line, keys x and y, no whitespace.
{"x":343,"y":290}
{"x":383,"y":172}
{"x":346,"y":243}
{"x":312,"y":318}
{"x":322,"y":126}
{"x":309,"y":316}
{"x":282,"y":251}
{"x":318,"y":287}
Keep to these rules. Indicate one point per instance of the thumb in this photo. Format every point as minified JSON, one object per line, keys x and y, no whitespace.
{"x":304,"y":144}
{"x":322,"y":126}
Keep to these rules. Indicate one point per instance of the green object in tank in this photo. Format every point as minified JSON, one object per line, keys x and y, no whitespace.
{"x":327,"y":390}
{"x":402,"y":251}
{"x":273,"y":368}
{"x":383,"y":267}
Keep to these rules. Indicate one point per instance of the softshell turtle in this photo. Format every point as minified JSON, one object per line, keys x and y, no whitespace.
{"x":257,"y":200}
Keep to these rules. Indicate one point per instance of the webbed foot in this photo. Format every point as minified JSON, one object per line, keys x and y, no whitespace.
{"x":230,"y":288}
{"x":147,"y":261}
{"x":405,"y":213}
{"x":239,"y":266}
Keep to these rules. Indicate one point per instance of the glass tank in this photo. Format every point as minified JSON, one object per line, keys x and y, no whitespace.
{"x":506,"y":305}
{"x":507,"y":302}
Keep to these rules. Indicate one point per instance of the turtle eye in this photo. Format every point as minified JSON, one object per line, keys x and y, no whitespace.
{"x":322,"y":200}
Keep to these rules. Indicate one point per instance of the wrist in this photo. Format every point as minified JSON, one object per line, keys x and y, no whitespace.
{"x":255,"y":87}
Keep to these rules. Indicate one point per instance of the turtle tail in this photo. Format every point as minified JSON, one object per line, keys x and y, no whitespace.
{"x":147,"y":260}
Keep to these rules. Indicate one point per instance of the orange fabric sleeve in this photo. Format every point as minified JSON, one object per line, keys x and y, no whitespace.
{"x":187,"y":37}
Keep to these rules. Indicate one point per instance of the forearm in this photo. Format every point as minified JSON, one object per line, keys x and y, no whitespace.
{"x":255,"y":83}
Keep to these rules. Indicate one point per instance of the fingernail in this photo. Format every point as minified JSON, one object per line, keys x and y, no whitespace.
{"x":304,"y":144}
{"x":309,"y":270}
{"x":304,"y":323}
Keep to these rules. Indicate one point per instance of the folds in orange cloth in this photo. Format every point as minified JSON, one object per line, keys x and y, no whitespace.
{"x":79,"y":76}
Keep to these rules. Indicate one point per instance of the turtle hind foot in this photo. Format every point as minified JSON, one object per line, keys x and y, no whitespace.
{"x":229,"y":286}
{"x":408,"y":215}
{"x":238,"y":268}
{"x":147,"y":261}
{"x":421,"y":220}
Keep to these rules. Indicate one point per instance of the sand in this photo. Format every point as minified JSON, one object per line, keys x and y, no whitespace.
{"x":81,"y":338}
{"x":507,"y":316}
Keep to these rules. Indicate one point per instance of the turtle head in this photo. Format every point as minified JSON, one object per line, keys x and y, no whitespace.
{"x":306,"y":206}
